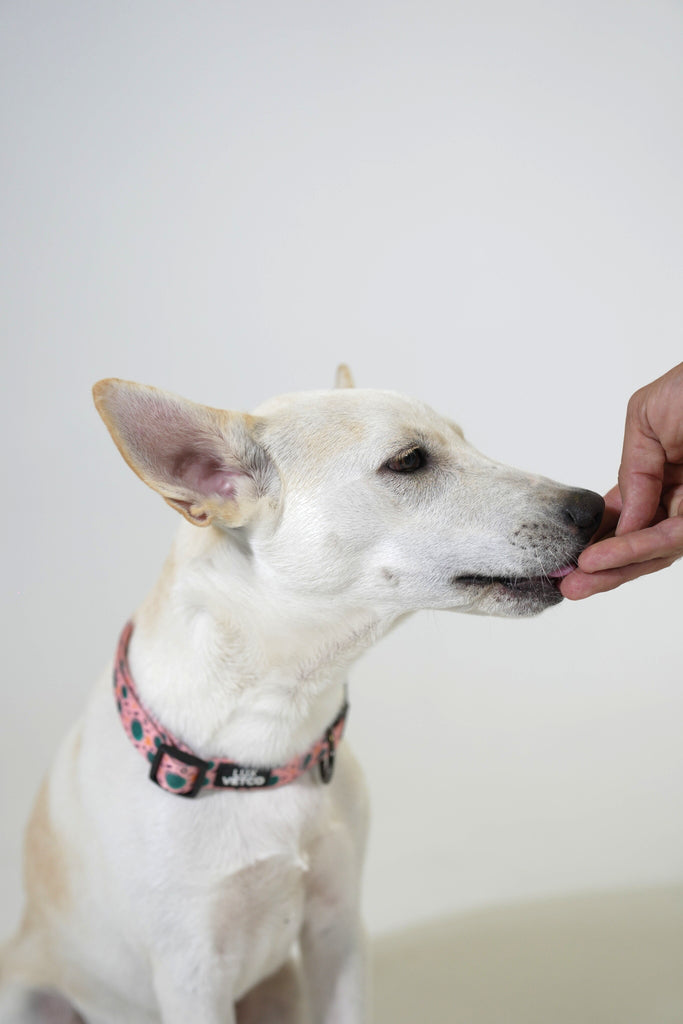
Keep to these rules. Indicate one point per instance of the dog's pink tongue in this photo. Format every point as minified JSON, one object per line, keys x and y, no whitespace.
{"x":558,"y":574}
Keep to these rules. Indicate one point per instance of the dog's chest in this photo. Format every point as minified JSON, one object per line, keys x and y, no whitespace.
{"x":241,"y":884}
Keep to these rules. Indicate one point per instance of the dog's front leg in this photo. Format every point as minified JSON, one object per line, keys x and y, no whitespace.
{"x":334,"y":959}
{"x":184,"y":997}
{"x":333,"y":945}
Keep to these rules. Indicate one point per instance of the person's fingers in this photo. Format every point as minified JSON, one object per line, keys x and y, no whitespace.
{"x":578,"y":585}
{"x":672,"y":498}
{"x":662,"y":540}
{"x":641,"y":472}
{"x":653,"y":446}
{"x":642,"y":527}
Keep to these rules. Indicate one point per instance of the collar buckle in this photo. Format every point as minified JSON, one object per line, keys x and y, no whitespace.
{"x":176,"y":782}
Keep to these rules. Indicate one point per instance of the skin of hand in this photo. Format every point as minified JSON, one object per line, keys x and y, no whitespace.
{"x":642,"y":528}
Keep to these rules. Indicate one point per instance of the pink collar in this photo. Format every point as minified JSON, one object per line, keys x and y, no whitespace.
{"x":177,"y":770}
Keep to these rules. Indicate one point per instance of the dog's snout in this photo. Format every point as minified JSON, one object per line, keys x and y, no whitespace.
{"x":583,"y":510}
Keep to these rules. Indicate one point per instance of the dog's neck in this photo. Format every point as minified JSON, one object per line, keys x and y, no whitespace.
{"x":232,"y":667}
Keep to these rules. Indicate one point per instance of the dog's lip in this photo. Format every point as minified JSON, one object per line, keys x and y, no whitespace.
{"x":508,"y":581}
{"x":547,"y":578}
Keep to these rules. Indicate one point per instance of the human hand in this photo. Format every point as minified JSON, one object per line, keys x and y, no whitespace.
{"x":642,"y":528}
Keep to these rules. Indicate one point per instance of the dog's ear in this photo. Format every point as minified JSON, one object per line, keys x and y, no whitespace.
{"x":343,"y":378}
{"x":204,"y":462}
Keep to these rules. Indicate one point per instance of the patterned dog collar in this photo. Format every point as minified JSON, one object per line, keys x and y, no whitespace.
{"x":177,"y":770}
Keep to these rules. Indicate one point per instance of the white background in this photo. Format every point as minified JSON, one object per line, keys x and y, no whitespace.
{"x":475,"y":202}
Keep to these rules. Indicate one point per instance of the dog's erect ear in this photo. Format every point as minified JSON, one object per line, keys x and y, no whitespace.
{"x":343,"y":378}
{"x":204,"y":462}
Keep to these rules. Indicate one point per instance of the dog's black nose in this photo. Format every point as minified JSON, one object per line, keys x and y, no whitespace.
{"x":583,"y":510}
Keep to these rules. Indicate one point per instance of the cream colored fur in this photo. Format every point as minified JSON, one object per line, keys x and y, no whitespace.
{"x":310,"y":530}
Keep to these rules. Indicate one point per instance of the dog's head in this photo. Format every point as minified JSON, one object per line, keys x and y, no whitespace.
{"x":365,"y":497}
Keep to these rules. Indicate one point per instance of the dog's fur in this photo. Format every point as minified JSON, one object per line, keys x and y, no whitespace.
{"x":329,"y":516}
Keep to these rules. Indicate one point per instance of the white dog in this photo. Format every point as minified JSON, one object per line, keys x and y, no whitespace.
{"x":328,"y":516}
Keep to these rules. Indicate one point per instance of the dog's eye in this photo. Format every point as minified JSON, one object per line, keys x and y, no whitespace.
{"x":407,"y":462}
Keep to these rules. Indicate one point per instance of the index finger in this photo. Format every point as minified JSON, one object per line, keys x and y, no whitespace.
{"x":641,"y":473}
{"x":663,"y":540}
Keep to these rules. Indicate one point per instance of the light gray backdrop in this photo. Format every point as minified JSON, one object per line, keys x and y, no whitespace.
{"x":476,"y":202}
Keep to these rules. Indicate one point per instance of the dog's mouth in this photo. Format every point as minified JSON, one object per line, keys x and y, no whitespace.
{"x":524,"y":583}
{"x":533,"y":592}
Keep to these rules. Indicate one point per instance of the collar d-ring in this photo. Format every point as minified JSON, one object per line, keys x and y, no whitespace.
{"x":327,"y":757}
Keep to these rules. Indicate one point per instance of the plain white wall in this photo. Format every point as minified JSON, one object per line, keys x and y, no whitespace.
{"x":478,"y":203}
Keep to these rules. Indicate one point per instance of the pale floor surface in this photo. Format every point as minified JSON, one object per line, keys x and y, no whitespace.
{"x":601,"y":959}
